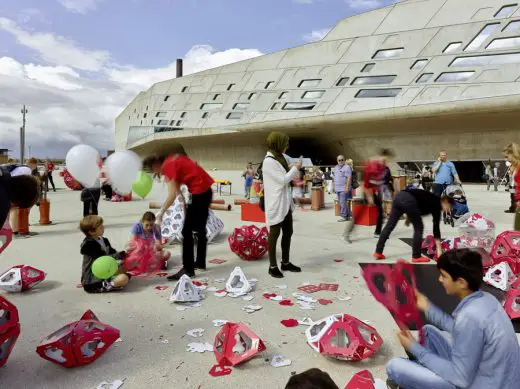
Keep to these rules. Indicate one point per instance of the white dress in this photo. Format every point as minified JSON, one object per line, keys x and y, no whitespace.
{"x":277,"y":192}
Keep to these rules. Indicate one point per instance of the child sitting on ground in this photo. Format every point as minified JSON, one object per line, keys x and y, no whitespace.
{"x":94,"y":246}
{"x":150,"y":232}
{"x":474,"y":348}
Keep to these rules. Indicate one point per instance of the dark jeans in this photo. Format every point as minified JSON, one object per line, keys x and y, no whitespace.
{"x":195,"y":222}
{"x":90,"y":202}
{"x":107,"y":190}
{"x":403,"y":203}
{"x":286,"y":227}
{"x":51,"y":180}
{"x":439,"y":188}
{"x":512,"y":207}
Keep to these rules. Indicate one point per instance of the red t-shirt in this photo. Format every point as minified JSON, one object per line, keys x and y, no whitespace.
{"x":50,"y":167}
{"x":373,"y":177}
{"x":185,"y":171}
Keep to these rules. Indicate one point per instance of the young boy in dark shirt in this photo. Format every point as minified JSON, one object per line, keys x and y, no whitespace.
{"x":94,"y":246}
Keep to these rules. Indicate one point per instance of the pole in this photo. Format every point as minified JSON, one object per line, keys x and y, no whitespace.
{"x":22,"y":136}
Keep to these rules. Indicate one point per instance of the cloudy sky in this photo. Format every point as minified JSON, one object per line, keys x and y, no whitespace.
{"x":77,"y":63}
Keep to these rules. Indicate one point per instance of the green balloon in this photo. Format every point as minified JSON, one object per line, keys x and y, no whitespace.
{"x":143,"y":184}
{"x":105,"y":267}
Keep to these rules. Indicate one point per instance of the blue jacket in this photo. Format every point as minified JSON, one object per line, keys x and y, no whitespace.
{"x":485,"y":351}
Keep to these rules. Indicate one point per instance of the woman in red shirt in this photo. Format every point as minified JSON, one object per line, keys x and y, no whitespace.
{"x":512,"y":154}
{"x":179,"y":170}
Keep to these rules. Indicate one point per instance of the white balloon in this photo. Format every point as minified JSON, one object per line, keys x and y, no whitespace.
{"x":83,"y":162}
{"x":122,"y":168}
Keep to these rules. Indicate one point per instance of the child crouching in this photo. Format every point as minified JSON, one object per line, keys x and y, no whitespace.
{"x":94,"y":246}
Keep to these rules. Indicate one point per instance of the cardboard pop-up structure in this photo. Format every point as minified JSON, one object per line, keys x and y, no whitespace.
{"x":249,"y":242}
{"x":395,"y":289}
{"x":343,"y":337}
{"x":361,"y":380}
{"x":185,"y":291}
{"x":235,"y":344}
{"x":475,"y":231}
{"x":500,"y":276}
{"x":9,"y":329}
{"x":78,"y":343}
{"x":507,"y":249}
{"x":512,"y":301}
{"x":238,"y":283}
{"x":70,"y":182}
{"x":429,"y":247}
{"x":21,"y":278}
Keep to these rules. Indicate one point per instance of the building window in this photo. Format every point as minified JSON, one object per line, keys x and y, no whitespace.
{"x":342,"y":81}
{"x":419,"y":64}
{"x":269,"y":84}
{"x":512,"y":26}
{"x":252,"y":96}
{"x":309,"y":83}
{"x":374,"y":80}
{"x":171,"y":122}
{"x":160,"y":114}
{"x":211,"y":106}
{"x":234,"y":115}
{"x":141,"y":122}
{"x":166,"y":98}
{"x":183,"y":115}
{"x":368,"y":67}
{"x":484,"y":60}
{"x":217,"y":95}
{"x":313,"y":94}
{"x":145,"y":115}
{"x":162,"y":122}
{"x":184,"y":89}
{"x":152,"y":121}
{"x":506,"y":11}
{"x":454,"y":76}
{"x":275,"y":106}
{"x":424,"y":78}
{"x":283,"y":95}
{"x":504,"y":43}
{"x":178,"y":124}
{"x":480,"y":38}
{"x":239,"y":106}
{"x":369,"y":93}
{"x":230,"y":86}
{"x":298,"y":106}
{"x":137,"y":116}
{"x":454,"y":46}
{"x":388,"y":53}
{"x":135,"y":110}
{"x":147,"y":108}
{"x":205,"y":115}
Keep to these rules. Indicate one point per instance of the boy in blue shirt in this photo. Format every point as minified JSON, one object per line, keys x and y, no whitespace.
{"x":474,"y":348}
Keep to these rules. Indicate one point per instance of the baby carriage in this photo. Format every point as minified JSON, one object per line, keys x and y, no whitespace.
{"x":460,"y":204}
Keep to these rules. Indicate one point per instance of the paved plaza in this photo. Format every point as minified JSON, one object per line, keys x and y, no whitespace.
{"x":146,"y":319}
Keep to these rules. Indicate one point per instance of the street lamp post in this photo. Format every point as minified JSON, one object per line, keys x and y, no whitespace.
{"x":22,"y":136}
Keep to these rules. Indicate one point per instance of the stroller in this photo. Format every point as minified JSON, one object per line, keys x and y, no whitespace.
{"x":460,"y":204}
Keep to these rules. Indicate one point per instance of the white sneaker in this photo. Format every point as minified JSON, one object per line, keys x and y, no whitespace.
{"x":342,"y":219}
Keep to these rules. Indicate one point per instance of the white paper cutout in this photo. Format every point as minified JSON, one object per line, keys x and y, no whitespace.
{"x":220,"y":280}
{"x":237,"y":282}
{"x":185,"y":291}
{"x":280,"y":361}
{"x":11,"y":280}
{"x":195,"y":333}
{"x":379,"y":384}
{"x":111,"y":385}
{"x":220,"y":294}
{"x":219,"y":323}
{"x":252,"y":308}
{"x":306,"y":321}
{"x":306,"y":306}
{"x":200,"y":348}
{"x":344,"y":298}
{"x":276,"y":298}
{"x":281,"y":287}
{"x":500,"y":276}
{"x":248,"y":297}
{"x":304,"y":298}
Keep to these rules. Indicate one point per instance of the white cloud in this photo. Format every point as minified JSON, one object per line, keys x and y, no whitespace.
{"x":80,"y":6}
{"x":67,"y":105}
{"x":316,"y":35}
{"x":56,"y":49}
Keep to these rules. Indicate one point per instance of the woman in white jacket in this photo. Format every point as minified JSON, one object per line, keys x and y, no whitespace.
{"x":278,"y":201}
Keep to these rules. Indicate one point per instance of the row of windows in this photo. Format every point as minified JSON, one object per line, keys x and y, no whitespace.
{"x":484,"y":60}
{"x":446,"y":77}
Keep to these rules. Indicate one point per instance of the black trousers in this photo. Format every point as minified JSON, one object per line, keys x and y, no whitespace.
{"x":404,"y":203}
{"x":90,"y":203}
{"x":196,"y":219}
{"x":51,"y":180}
{"x":5,"y":203}
{"x":286,"y":228}
{"x":512,"y":207}
{"x":107,"y":190}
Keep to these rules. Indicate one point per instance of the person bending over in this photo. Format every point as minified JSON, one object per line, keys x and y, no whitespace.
{"x":474,"y":348}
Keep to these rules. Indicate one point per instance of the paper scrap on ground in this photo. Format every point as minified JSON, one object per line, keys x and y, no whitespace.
{"x":289,"y":323}
{"x":111,"y":385}
{"x":252,"y":308}
{"x":324,"y":301}
{"x":286,"y":303}
{"x":329,"y":287}
{"x":309,"y":288}
{"x":302,"y":297}
{"x":248,"y":297}
{"x":306,"y":321}
{"x":219,"y":323}
{"x":220,"y":280}
{"x":217,"y":261}
{"x":281,"y":287}
{"x":218,"y":371}
{"x":306,"y":306}
{"x":338,"y":260}
{"x":186,"y":306}
{"x":161,"y":287}
{"x":280,"y":361}
{"x":344,"y":298}
{"x":196,"y":332}
{"x":200,"y":347}
{"x":220,"y":293}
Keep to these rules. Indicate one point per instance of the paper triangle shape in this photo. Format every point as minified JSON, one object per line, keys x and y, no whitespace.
{"x":185,"y":291}
{"x":500,"y":276}
{"x":11,"y":280}
{"x":237,"y":282}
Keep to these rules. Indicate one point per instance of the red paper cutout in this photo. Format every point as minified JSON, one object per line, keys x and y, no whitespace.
{"x":290,"y":323}
{"x":325,"y":301}
{"x":198,"y":283}
{"x":361,"y":380}
{"x":161,"y":287}
{"x":287,"y":303}
{"x":219,"y":371}
{"x":338,"y":260}
{"x":329,"y":287}
{"x":217,"y":261}
{"x":310,"y":288}
{"x":268,"y":296}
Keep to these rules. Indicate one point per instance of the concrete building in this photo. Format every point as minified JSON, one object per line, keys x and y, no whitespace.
{"x":418,"y":76}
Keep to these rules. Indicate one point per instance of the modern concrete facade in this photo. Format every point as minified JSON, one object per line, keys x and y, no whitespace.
{"x":417,"y":76}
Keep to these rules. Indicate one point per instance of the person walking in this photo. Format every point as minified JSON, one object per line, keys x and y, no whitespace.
{"x":249,"y":175}
{"x":178,"y":169}
{"x":373,"y":179}
{"x":415,"y":203}
{"x":277,"y":177}
{"x":343,"y":187}
{"x":427,"y":178}
{"x":49,"y":168}
{"x":445,"y":173}
{"x":512,"y":155}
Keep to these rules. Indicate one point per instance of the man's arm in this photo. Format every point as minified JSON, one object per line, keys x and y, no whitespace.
{"x":436,"y":166}
{"x":454,"y":173}
{"x":466,"y":354}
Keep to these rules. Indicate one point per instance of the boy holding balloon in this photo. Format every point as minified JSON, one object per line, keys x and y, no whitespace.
{"x":101,"y":262}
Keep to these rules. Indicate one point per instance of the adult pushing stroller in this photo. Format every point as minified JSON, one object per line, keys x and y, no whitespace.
{"x":460,"y":204}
